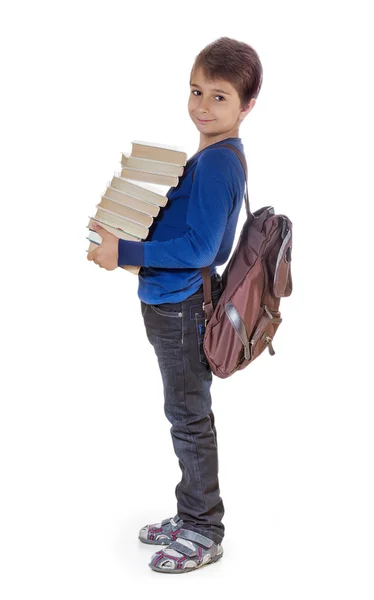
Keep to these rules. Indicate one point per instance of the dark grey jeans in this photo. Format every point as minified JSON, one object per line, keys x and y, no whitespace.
{"x":176,"y":332}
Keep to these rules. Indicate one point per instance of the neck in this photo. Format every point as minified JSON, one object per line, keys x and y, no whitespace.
{"x":204,"y":142}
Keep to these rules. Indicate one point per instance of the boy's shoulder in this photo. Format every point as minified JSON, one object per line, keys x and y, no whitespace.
{"x":220,"y":159}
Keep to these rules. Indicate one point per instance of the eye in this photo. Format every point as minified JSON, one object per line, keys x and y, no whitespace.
{"x":193,"y":92}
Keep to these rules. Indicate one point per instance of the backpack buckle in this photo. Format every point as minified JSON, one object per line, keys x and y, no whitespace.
{"x":205,"y":311}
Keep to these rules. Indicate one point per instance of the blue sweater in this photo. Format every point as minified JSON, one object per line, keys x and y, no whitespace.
{"x":195,"y":229}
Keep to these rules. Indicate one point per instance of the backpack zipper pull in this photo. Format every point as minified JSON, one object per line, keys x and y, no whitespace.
{"x":266,"y":338}
{"x":248,"y":348}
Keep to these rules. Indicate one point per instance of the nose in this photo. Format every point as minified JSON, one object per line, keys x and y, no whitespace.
{"x":204,"y":105}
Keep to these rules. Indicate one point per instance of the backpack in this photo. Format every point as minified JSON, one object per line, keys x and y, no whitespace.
{"x":258,"y":274}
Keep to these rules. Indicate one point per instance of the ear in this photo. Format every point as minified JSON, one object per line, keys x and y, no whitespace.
{"x":247,"y":108}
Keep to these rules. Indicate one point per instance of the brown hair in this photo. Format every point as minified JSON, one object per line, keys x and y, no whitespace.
{"x":233,"y":61}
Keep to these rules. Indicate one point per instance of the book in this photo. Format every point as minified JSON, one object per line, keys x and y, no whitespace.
{"x":149,"y":194}
{"x":158,"y":178}
{"x":115,"y":231}
{"x":122,"y":210}
{"x":160,"y":152}
{"x":127,"y":210}
{"x":151,"y":166}
{"x":120,"y":222}
{"x":130,"y":201}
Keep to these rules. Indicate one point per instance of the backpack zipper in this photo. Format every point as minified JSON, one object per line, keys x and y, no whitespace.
{"x":266,"y":338}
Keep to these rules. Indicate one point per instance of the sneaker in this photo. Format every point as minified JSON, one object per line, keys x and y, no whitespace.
{"x":188,"y":552}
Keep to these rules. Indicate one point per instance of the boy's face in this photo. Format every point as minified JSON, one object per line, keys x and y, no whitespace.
{"x":220,"y":109}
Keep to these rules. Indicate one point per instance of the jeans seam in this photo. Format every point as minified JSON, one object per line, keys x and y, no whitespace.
{"x":186,"y":410}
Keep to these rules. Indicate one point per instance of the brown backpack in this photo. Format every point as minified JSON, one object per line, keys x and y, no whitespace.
{"x":258,"y":274}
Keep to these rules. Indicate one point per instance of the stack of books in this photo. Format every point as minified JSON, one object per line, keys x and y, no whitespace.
{"x":127,"y":210}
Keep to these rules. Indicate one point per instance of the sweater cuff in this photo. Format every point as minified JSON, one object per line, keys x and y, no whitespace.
{"x":130,"y":253}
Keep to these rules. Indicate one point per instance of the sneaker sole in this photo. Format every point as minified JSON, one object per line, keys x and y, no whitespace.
{"x":179,"y":571}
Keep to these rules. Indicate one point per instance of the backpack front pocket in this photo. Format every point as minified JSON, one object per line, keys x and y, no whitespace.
{"x":263,"y":334}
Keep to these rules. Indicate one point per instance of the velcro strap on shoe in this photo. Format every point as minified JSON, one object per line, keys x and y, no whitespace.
{"x":182,"y":548}
{"x":187,"y":534}
{"x":165,"y":521}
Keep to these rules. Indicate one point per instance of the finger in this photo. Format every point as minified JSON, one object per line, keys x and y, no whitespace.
{"x":91,"y":255}
{"x":98,"y":227}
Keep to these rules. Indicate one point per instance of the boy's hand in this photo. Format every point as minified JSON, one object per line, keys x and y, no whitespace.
{"x":106,"y":254}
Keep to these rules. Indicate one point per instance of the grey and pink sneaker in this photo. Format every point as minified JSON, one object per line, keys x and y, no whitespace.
{"x":188,"y":552}
{"x":161,"y":533}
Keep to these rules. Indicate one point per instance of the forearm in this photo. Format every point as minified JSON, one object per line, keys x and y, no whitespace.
{"x":188,"y":251}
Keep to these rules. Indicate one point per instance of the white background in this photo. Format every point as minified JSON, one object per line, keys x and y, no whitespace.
{"x":86,"y":452}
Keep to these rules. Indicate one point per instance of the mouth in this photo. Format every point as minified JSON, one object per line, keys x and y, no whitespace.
{"x":204,"y":120}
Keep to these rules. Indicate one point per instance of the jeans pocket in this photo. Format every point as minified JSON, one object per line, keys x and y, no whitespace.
{"x":200,"y":330}
{"x":199,"y":317}
{"x":168,"y":309}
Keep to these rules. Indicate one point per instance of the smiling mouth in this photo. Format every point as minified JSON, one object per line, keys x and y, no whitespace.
{"x":204,"y":120}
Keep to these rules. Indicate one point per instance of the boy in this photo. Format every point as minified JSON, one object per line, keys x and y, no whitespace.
{"x":195,"y":229}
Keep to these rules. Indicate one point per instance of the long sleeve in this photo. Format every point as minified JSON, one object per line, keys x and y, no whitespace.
{"x":130,"y":253}
{"x":210,"y":203}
